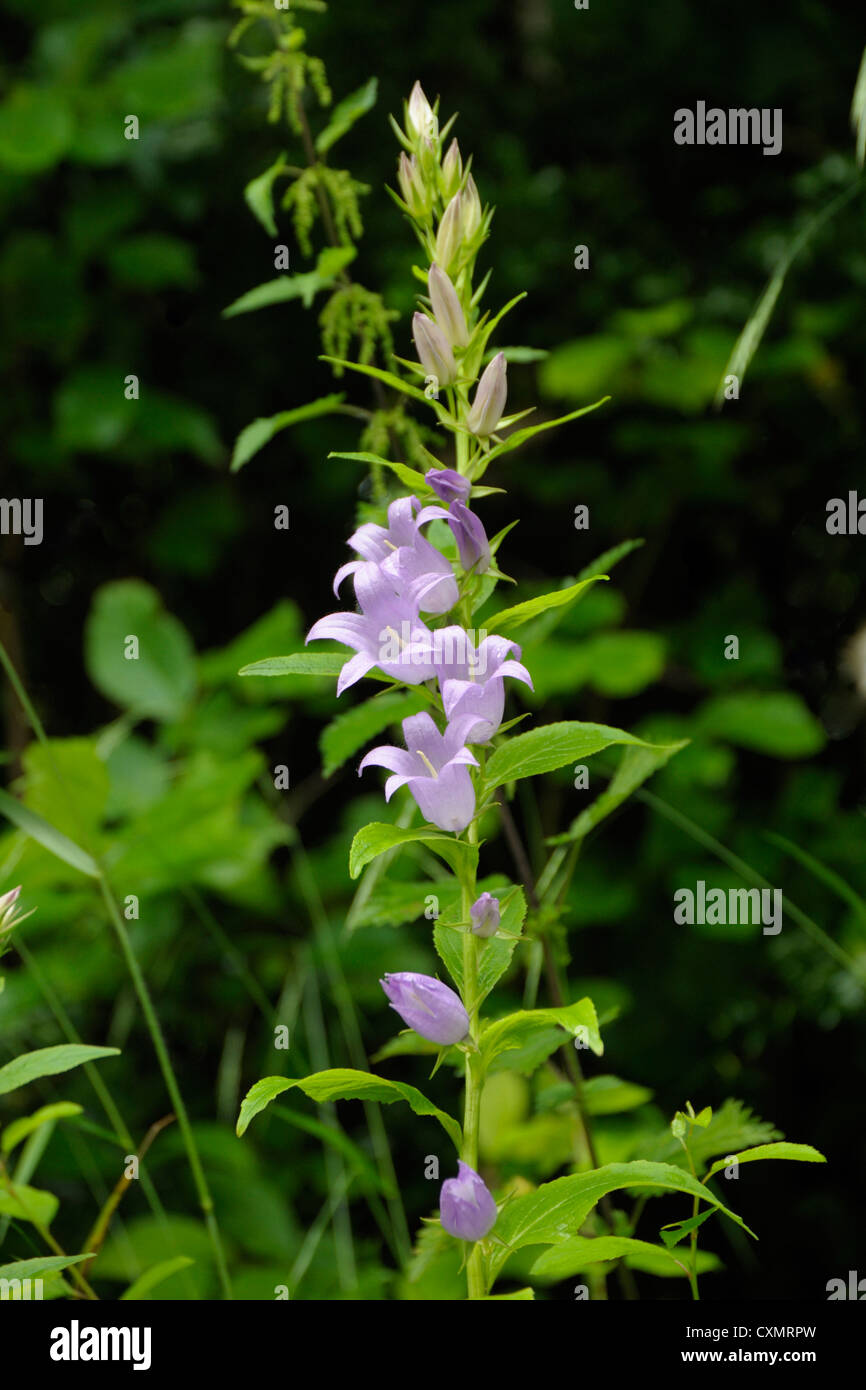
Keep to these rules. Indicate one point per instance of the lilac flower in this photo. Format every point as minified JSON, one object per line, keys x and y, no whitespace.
{"x":435,"y":768}
{"x":434,"y":350}
{"x":472,"y":680}
{"x":466,"y":1207}
{"x":428,"y":1006}
{"x":447,"y":309}
{"x":468,"y":532}
{"x":489,"y":404}
{"x":449,"y":485}
{"x":484,"y":913}
{"x":450,"y":233}
{"x":420,"y":116}
{"x":417,"y":570}
{"x":412,"y":186}
{"x":387,"y":632}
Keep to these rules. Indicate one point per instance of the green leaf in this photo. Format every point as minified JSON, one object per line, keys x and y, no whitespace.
{"x":260,"y":432}
{"x":512,"y":1032}
{"x":378,"y":837}
{"x":800,"y":1153}
{"x":20,"y":1129}
{"x":259,"y":195}
{"x":510,"y":618}
{"x":494,"y":953}
{"x":160,"y":682}
{"x":154,"y":1276}
{"x":36,"y":127}
{"x":47,"y":836}
{"x":305,"y":287}
{"x":298,"y":664}
{"x":551,"y":747}
{"x":344,"y":1084}
{"x":346,"y":734}
{"x":608,"y":1095}
{"x":27,"y":1203}
{"x":676,"y":1231}
{"x":571,"y":1256}
{"x":519,"y":1296}
{"x":389,"y":378}
{"x":410,"y":477}
{"x":557,"y":1210}
{"x":635,"y":767}
{"x":346,"y":113}
{"x":42,"y":1264}
{"x":521,"y":436}
{"x":775,"y":722}
{"x":49,"y":1061}
{"x":609,"y":559}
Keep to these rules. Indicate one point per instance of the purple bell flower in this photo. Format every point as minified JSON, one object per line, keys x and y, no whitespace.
{"x":435,"y":768}
{"x":447,"y":309}
{"x":449,"y":485}
{"x":416,"y":568}
{"x":472,"y":680}
{"x":484,"y":913}
{"x":466,"y":1207}
{"x":434,"y":350}
{"x":386,"y":633}
{"x":468,"y":531}
{"x":428,"y":1006}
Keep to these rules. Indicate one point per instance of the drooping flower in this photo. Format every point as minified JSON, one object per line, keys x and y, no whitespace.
{"x":435,"y":768}
{"x":469,"y":533}
{"x":434,"y":350}
{"x":447,"y":309}
{"x":472,"y":680}
{"x":386,"y":633}
{"x":484,"y":913}
{"x":466,"y":1206}
{"x":490,"y":397}
{"x":416,"y":569}
{"x":428,"y":1006}
{"x":449,"y":485}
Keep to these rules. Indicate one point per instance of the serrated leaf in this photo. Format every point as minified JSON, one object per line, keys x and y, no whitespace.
{"x":48,"y":837}
{"x":378,"y":837}
{"x":260,"y":432}
{"x":342,"y":1083}
{"x":348,"y":732}
{"x":305,"y":287}
{"x":556,"y":1211}
{"x":798,"y":1153}
{"x":410,"y":477}
{"x":511,"y":1033}
{"x":550,"y":747}
{"x":635,"y":767}
{"x":511,"y":618}
{"x":346,"y":113}
{"x":298,"y":664}
{"x":494,"y":953}
{"x":49,"y":1061}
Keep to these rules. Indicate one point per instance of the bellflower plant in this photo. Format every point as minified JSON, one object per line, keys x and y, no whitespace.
{"x":459,"y":762}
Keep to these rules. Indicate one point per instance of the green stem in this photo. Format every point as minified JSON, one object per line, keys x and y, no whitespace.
{"x":474,"y":1076}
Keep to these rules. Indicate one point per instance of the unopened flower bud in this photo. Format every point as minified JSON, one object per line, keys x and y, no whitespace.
{"x":428,"y":1006}
{"x":471,"y":537}
{"x":449,"y":485}
{"x":490,"y":397}
{"x":451,"y":175}
{"x":450,"y":234}
{"x":484,"y":913}
{"x":412,"y":186}
{"x":466,"y":1206}
{"x":434,"y":350}
{"x":472,"y":209}
{"x":447,"y":309}
{"x":420,"y":117}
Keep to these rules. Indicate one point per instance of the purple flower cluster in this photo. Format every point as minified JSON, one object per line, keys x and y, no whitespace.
{"x":398,"y":576}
